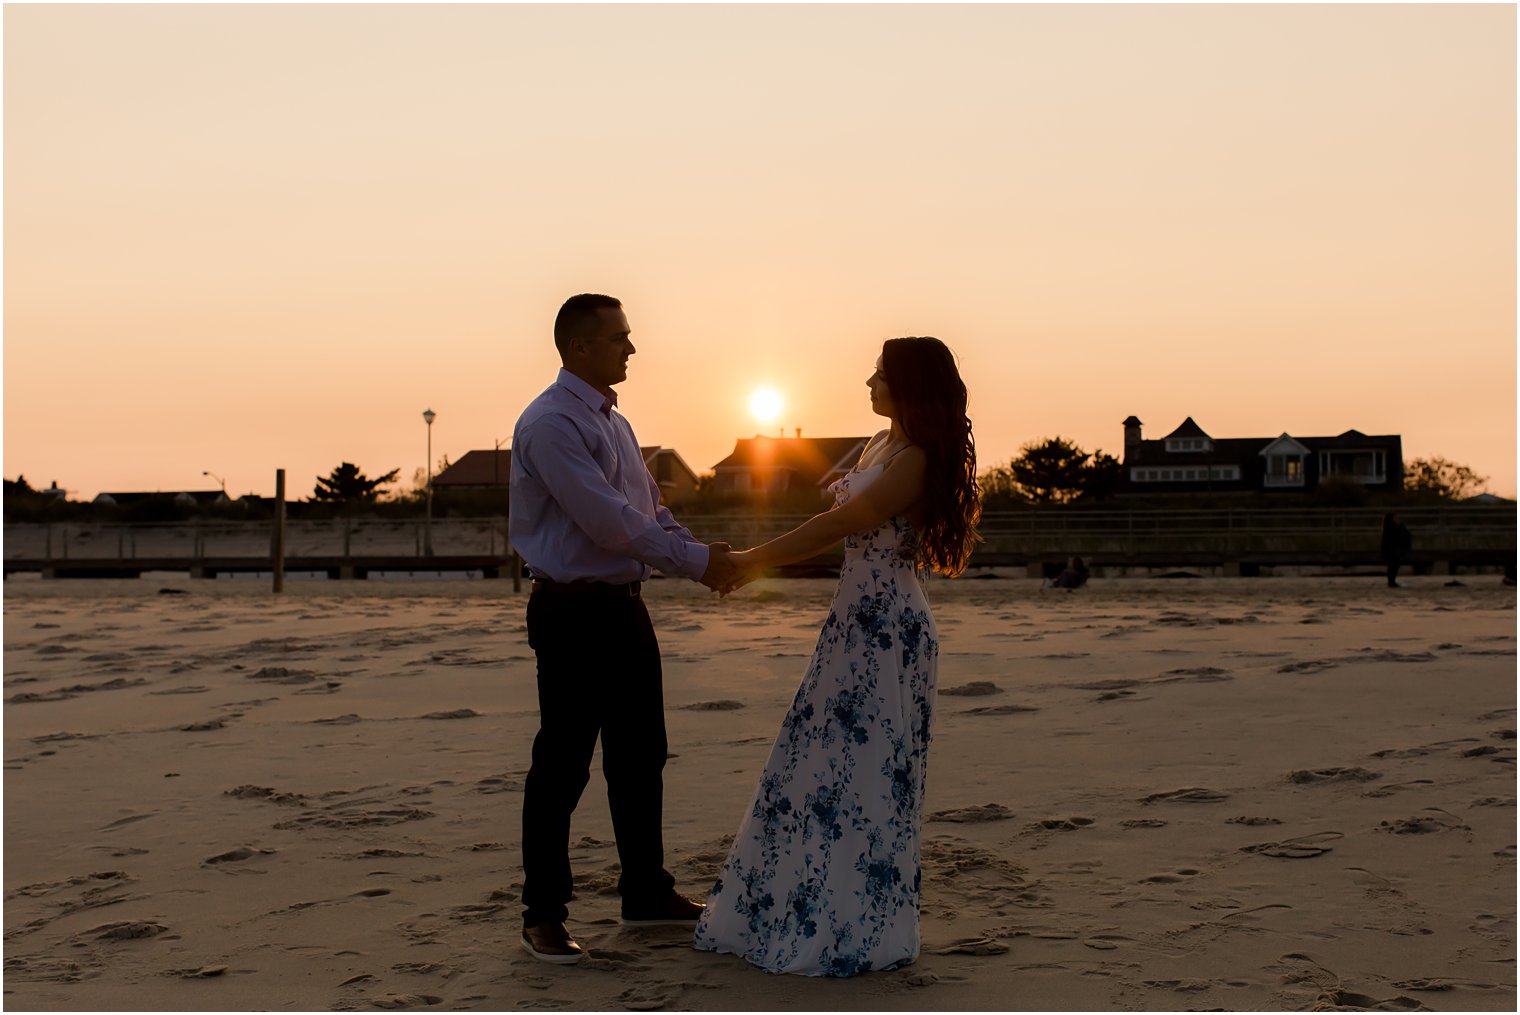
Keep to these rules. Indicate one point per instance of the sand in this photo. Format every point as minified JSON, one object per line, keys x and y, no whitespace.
{"x":1270,"y":793}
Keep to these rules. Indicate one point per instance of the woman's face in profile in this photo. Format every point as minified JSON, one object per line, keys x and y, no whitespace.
{"x":881,"y":397}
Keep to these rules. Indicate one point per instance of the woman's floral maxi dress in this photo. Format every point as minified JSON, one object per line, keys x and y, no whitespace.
{"x":823,"y":877}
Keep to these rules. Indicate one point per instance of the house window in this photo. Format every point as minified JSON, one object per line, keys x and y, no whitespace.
{"x":1198,"y":475}
{"x":1285,"y":470}
{"x":741,"y":482}
{"x":1362,"y":466}
{"x":1187,"y":444}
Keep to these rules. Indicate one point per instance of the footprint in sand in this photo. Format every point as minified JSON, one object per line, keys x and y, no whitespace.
{"x":973,"y":946}
{"x":393,"y":1000}
{"x":327,"y":687}
{"x":1173,"y":877}
{"x":1062,"y":824}
{"x":1000,"y":710}
{"x":1307,"y":666}
{"x":1142,"y":823}
{"x":1386,"y":655}
{"x":976,"y":688}
{"x":127,"y":930}
{"x":721,"y":705}
{"x":1395,"y":787}
{"x":274,"y":796}
{"x":1195,"y":674}
{"x":982,"y":812}
{"x":499,"y":784}
{"x":234,"y":855}
{"x":1338,"y":999}
{"x":1302,"y":847}
{"x":1433,"y":819}
{"x":282,"y":675}
{"x":1187,"y":795}
{"x":1315,"y":776}
{"x":1246,"y":820}
{"x":1181,"y":986}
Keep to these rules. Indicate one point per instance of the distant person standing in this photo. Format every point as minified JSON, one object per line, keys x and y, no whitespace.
{"x":587,"y":520}
{"x":1395,"y":546}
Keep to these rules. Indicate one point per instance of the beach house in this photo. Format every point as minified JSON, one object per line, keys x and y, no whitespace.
{"x":486,"y":470}
{"x":760,"y":466}
{"x":1190,"y":460}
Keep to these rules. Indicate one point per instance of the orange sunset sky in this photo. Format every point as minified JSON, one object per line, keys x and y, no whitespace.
{"x":243,"y":238}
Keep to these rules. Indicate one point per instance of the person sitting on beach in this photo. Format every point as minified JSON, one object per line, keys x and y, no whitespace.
{"x":1073,"y":577}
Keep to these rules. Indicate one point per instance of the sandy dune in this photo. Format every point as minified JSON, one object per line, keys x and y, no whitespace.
{"x":1246,"y":794}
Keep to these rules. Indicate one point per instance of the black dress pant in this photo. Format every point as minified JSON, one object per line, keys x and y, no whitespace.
{"x":598,"y":675}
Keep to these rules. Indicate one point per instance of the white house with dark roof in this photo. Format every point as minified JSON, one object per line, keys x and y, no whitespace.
{"x":1190,"y":460}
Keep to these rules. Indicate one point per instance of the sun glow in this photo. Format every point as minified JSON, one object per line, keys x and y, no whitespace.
{"x":765,"y":404}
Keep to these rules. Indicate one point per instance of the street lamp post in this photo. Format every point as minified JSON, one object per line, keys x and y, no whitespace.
{"x":219,"y":479}
{"x":427,"y":530}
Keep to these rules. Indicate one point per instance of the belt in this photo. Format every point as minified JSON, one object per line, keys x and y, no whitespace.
{"x":600,"y":590}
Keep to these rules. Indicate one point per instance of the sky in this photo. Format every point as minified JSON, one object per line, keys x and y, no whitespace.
{"x":242,"y":238}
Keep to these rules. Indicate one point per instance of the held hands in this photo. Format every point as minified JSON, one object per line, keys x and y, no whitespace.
{"x":746,"y":570}
{"x":728,"y":569}
{"x":720,"y":567}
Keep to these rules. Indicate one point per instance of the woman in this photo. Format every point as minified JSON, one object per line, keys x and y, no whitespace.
{"x":823,"y":877}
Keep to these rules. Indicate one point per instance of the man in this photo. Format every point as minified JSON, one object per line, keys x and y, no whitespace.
{"x":587,"y":520}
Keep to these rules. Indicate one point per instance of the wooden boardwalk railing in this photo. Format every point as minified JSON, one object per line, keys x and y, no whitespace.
{"x":1237,"y":540}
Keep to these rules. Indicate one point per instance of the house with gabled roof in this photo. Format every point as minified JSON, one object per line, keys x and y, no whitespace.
{"x":1190,"y":460}
{"x":770,"y":465}
{"x":486,"y":470}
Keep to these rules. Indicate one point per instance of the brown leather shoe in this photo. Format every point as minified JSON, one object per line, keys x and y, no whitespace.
{"x":551,"y":942}
{"x":676,"y":911}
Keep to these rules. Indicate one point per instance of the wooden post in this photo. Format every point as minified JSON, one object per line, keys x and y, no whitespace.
{"x":278,"y":550}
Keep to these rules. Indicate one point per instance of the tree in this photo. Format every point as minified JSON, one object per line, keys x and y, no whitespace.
{"x":1051,"y":471}
{"x":1436,"y":477}
{"x":1101,"y":477}
{"x":347,"y":484}
{"x":999,"y":489}
{"x":18,"y":486}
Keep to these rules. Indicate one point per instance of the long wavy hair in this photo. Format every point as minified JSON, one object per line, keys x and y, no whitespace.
{"x":930,"y":402}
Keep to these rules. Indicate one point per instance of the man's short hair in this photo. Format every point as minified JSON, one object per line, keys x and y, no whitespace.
{"x":577,"y":317}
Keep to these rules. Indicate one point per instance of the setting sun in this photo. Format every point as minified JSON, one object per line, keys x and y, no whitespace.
{"x":765,"y":404}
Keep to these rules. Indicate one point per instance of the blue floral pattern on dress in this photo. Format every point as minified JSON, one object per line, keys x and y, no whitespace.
{"x":823,"y":877}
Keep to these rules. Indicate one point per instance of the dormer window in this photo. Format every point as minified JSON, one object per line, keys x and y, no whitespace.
{"x":1188,"y":444}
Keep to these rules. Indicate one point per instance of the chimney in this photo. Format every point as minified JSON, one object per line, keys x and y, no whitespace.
{"x":1131,"y":440}
{"x":799,"y":433}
